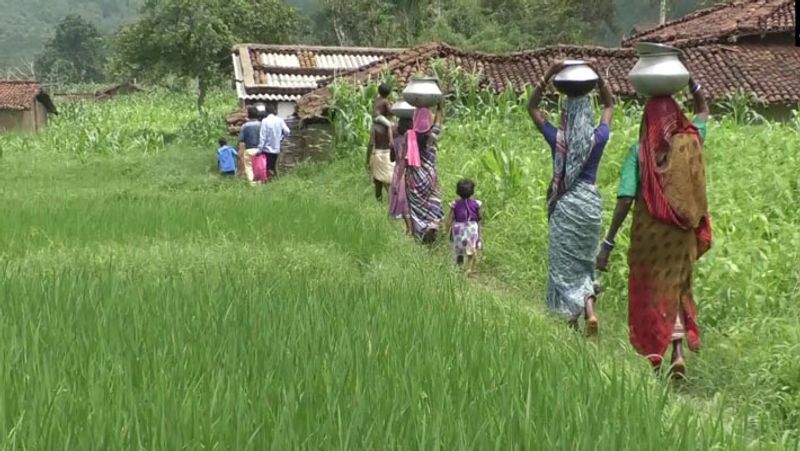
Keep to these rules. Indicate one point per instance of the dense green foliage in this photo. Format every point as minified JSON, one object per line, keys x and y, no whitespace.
{"x":26,"y":25}
{"x":193,"y":38}
{"x":75,"y":54}
{"x":150,"y":304}
{"x":487,"y":24}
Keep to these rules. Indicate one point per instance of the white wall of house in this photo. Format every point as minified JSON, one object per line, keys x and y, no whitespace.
{"x":286,"y":109}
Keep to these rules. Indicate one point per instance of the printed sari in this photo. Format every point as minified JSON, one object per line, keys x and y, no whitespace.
{"x":671,"y":230}
{"x":422,"y":180}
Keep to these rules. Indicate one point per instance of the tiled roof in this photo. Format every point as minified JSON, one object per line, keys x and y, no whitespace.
{"x":770,"y":73}
{"x":20,"y":95}
{"x":724,"y":23}
{"x":111,"y":89}
{"x":285,"y":73}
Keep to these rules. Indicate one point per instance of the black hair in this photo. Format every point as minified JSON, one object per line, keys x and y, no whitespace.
{"x":465,"y":188}
{"x":404,"y":125}
{"x":384,"y":90}
{"x":252,"y":112}
{"x":223,"y":142}
{"x":270,"y":109}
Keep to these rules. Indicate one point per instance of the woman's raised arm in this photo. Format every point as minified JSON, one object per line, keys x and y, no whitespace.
{"x":536,"y":114}
{"x":700,"y":105}
{"x":606,"y":96}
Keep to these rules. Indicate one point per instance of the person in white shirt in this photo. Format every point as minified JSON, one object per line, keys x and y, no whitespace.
{"x":273,"y":131}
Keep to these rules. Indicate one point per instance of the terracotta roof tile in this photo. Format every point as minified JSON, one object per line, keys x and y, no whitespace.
{"x":20,"y":95}
{"x":770,"y":73}
{"x":724,"y":23}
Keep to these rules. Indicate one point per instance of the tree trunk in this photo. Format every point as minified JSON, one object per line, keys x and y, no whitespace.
{"x":662,"y":14}
{"x":202,"y":87}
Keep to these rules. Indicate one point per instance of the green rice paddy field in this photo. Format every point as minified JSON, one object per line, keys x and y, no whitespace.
{"x":148,"y":304}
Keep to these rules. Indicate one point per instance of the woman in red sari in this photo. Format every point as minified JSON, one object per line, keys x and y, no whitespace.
{"x":664,"y":173}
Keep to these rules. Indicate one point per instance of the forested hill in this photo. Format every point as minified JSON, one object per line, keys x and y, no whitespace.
{"x":25,"y":25}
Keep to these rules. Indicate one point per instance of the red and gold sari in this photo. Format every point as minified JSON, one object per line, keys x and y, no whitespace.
{"x":671,"y":230}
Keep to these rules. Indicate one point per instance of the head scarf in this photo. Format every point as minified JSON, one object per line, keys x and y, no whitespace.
{"x":423,"y":122}
{"x":662,"y":120}
{"x":574,"y":143}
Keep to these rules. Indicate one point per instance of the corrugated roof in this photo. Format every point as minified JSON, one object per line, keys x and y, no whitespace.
{"x":20,"y":95}
{"x":265,"y":72}
{"x":724,"y":23}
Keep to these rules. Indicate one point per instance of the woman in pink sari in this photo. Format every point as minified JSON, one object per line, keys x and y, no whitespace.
{"x":422,"y":179}
{"x":398,"y":202}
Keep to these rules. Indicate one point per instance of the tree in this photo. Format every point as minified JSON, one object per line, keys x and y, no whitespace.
{"x":193,"y":38}
{"x":75,"y":53}
{"x":493,"y":25}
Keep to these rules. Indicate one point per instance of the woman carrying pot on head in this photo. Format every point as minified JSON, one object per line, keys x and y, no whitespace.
{"x":398,"y":201}
{"x":422,"y":178}
{"x":664,"y":173}
{"x":573,"y":200}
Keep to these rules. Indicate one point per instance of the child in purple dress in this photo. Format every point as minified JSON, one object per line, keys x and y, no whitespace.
{"x":465,"y":225}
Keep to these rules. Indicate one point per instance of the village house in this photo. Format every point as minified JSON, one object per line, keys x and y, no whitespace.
{"x":24,"y":106}
{"x":118,"y":89}
{"x":105,"y":93}
{"x":739,"y":22}
{"x":280,"y":75}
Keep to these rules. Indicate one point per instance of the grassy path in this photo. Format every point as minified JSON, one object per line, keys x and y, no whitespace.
{"x":148,"y":304}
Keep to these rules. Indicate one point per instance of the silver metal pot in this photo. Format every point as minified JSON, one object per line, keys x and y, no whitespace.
{"x":422,"y":92}
{"x":403,"y":110}
{"x":659,"y":71}
{"x":576,"y":79}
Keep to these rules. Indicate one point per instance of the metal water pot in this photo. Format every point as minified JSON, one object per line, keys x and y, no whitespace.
{"x":576,"y":79}
{"x":422,"y":92}
{"x":403,"y":110}
{"x":659,"y":71}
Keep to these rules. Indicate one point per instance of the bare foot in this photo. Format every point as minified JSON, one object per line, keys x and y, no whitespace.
{"x":678,"y":369}
{"x":592,"y":326}
{"x":678,"y":366}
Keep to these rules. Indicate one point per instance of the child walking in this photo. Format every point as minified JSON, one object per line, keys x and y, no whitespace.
{"x":226,"y":158}
{"x":464,"y":223}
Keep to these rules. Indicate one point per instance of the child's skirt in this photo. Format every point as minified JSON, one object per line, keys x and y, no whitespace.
{"x":466,"y":239}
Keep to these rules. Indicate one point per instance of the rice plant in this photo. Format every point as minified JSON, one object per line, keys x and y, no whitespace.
{"x":149,"y":304}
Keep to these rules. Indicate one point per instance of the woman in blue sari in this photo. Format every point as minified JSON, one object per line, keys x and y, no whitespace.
{"x":573,"y":200}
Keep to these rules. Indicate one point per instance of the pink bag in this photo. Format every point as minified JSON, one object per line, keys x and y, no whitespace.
{"x":260,"y":168}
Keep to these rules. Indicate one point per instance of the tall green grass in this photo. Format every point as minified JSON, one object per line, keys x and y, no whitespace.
{"x":746,"y":287}
{"x":149,"y":304}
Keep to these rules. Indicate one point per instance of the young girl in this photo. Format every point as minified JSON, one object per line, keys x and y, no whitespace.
{"x":464,"y":224}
